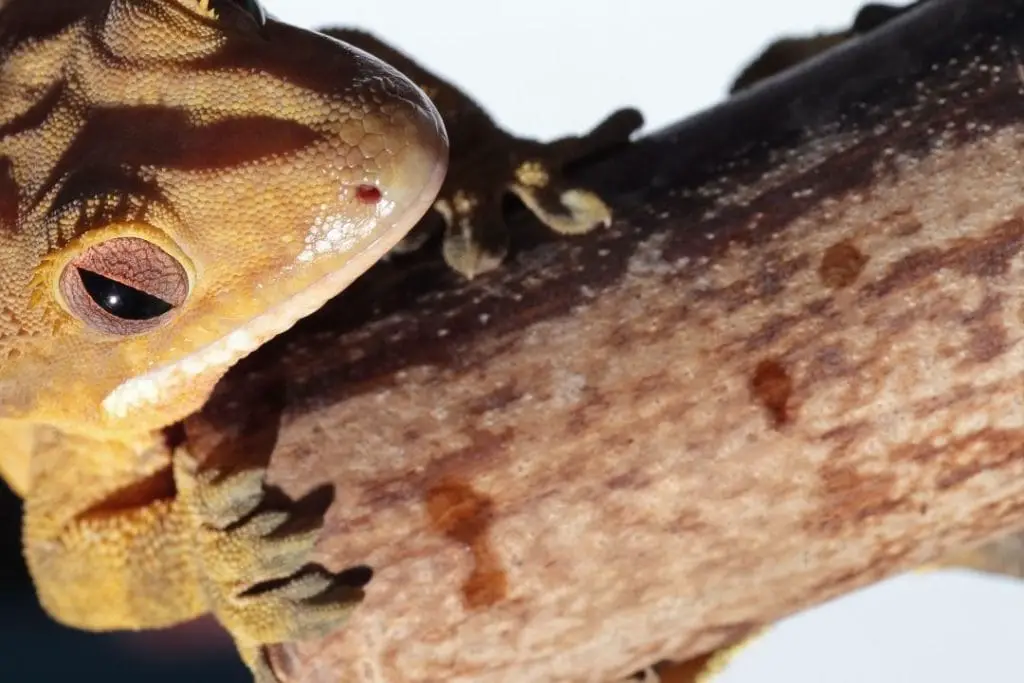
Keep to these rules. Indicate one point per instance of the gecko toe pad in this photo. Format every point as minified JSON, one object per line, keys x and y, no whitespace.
{"x":574,"y":212}
{"x":309,"y":604}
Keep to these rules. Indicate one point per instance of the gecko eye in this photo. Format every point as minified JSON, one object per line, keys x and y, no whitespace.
{"x":123,"y":286}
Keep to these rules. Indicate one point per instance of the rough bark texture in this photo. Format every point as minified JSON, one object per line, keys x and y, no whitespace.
{"x":791,"y":368}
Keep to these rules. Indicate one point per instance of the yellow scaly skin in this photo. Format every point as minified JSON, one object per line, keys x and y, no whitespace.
{"x":180,"y":180}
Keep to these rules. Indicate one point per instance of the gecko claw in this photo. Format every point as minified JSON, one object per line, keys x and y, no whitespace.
{"x":259,"y":661}
{"x":308,"y":604}
{"x":315,"y":602}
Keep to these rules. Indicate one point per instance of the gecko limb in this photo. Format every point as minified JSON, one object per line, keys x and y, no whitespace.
{"x":104,"y":546}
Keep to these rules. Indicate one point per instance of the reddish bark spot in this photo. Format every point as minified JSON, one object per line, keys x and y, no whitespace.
{"x":841,"y":265}
{"x":772,"y":387}
{"x":464,"y":515}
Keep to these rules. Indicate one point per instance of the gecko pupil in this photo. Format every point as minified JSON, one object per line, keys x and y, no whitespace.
{"x":120,"y":300}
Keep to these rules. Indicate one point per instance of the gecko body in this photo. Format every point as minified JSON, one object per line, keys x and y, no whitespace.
{"x":180,"y":180}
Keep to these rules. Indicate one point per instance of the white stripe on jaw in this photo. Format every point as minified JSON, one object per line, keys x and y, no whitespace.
{"x":147,"y":389}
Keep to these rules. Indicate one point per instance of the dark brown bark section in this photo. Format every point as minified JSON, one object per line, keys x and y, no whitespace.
{"x":790,"y":368}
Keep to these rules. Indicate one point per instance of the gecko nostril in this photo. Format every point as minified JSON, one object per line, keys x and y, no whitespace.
{"x":368,"y":194}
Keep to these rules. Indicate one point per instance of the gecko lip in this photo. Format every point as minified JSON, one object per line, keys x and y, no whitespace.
{"x":426,"y":162}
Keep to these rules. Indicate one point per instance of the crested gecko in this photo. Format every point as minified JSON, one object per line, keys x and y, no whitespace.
{"x":181,"y":180}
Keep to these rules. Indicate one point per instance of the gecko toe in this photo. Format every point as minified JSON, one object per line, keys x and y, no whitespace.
{"x":539,"y":181}
{"x":269,"y":664}
{"x":274,"y":540}
{"x":310,"y":604}
{"x":217,"y":497}
{"x":276,"y":544}
{"x":224,"y":500}
{"x":573,"y":211}
{"x":469,"y":254}
{"x":260,"y":525}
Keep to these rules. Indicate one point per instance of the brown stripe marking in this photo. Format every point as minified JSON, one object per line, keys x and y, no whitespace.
{"x":286,"y":56}
{"x":22,"y":20}
{"x":772,"y":387}
{"x":164,"y":137}
{"x":8,"y":197}
{"x":36,"y":115}
{"x":103,"y":195}
{"x":841,"y":264}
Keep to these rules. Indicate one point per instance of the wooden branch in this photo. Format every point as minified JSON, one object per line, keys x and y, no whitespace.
{"x":792,"y":367}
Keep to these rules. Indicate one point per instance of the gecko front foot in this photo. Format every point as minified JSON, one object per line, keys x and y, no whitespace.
{"x":252,"y":548}
{"x":476,"y":238}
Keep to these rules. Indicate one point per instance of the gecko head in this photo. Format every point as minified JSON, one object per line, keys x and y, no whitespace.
{"x":229,"y":175}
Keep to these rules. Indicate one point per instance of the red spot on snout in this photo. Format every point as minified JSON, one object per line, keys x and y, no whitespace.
{"x":368,"y":194}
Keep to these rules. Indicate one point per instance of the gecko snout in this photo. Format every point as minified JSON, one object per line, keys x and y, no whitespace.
{"x":407,"y":185}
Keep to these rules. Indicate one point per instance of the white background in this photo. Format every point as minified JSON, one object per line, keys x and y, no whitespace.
{"x":551,"y":67}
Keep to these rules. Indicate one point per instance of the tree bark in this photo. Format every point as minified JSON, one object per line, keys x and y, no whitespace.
{"x":791,"y":367}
